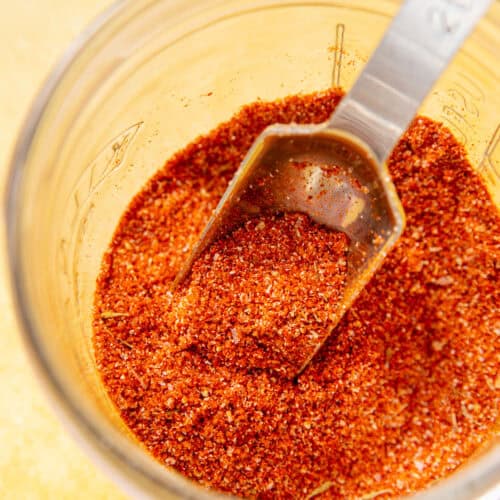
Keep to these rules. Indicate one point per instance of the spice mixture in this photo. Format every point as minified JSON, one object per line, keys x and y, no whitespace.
{"x":263,"y":297}
{"x":404,"y":390}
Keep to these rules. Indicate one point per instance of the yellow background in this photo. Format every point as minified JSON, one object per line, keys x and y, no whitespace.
{"x":38,"y":459}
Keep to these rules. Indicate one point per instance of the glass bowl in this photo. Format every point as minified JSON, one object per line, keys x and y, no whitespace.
{"x":145,"y":79}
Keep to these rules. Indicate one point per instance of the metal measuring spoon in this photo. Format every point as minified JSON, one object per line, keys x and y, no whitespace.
{"x":335,"y":171}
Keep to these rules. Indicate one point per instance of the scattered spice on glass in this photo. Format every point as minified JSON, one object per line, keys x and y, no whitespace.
{"x":402,"y":392}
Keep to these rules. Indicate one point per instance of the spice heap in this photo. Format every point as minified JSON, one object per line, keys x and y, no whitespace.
{"x":403,"y":391}
{"x":264,"y":296}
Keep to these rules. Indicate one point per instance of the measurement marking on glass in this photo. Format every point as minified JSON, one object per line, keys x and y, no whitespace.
{"x":108,"y":160}
{"x":337,"y":54}
{"x":464,"y":101}
{"x":81,"y":206}
{"x":487,"y":164}
{"x":456,"y":121}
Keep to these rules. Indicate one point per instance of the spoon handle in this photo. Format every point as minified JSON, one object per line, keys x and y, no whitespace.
{"x":420,"y":42}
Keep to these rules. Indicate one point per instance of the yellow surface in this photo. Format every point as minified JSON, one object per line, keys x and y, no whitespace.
{"x":38,"y":459}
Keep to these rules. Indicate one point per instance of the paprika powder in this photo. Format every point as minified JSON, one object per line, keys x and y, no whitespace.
{"x":403,"y":392}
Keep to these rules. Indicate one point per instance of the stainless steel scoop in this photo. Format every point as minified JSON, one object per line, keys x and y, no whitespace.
{"x":335,"y":171}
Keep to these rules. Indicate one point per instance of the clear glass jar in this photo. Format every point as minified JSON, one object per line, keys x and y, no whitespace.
{"x":144,"y":80}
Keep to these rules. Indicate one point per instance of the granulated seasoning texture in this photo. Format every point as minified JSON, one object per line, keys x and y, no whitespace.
{"x":264,"y":296}
{"x":404,"y":390}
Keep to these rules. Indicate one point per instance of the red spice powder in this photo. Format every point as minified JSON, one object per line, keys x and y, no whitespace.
{"x":264,"y":296}
{"x":402,"y":393}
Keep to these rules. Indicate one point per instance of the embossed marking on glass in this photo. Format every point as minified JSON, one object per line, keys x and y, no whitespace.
{"x":335,"y":171}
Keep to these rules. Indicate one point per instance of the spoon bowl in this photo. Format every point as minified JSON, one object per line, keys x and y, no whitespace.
{"x":327,"y":174}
